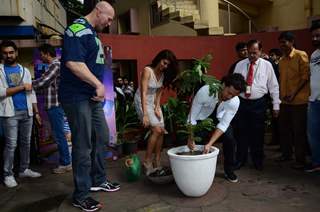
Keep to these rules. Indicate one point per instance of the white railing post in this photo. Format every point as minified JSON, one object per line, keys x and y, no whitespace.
{"x":241,"y":11}
{"x":229,"y":19}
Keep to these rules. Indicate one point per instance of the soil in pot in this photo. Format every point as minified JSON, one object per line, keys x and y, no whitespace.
{"x":196,"y":152}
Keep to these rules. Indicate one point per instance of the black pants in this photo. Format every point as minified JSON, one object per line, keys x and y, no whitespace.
{"x":250,"y":130}
{"x":228,"y":145}
{"x":293,"y":131}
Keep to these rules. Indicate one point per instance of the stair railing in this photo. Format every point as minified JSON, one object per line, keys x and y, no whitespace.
{"x":229,"y":4}
{"x":232,"y":5}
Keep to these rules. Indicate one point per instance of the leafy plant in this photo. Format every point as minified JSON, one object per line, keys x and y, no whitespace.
{"x":189,"y":81}
{"x":175,"y":113}
{"x":126,"y":118}
{"x":192,"y":130}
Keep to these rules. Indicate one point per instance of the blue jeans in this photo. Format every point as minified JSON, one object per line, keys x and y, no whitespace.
{"x":314,"y":131}
{"x":90,"y":134}
{"x":18,"y":125}
{"x":55,"y":115}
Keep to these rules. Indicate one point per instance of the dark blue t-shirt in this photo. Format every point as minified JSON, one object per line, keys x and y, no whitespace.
{"x":14,"y":76}
{"x":80,"y":44}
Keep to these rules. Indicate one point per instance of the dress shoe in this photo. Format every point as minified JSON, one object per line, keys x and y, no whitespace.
{"x":283,"y":158}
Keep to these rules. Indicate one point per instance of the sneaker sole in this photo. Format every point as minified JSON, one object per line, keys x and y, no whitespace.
{"x":29,"y":176}
{"x":312,"y":170}
{"x":232,"y":181}
{"x":11,"y":186}
{"x":61,"y":172}
{"x":103,"y":189}
{"x":88,"y":210}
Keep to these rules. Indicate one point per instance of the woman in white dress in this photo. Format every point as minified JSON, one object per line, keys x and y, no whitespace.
{"x":156,"y":76}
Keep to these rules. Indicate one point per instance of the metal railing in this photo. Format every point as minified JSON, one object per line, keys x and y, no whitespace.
{"x":239,"y":10}
{"x":229,"y":6}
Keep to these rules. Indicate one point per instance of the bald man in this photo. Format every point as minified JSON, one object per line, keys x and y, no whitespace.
{"x":81,"y":93}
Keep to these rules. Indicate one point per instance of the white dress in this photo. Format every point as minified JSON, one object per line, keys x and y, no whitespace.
{"x":153,"y":87}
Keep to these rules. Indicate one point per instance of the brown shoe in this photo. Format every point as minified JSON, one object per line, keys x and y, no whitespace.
{"x":62,"y":169}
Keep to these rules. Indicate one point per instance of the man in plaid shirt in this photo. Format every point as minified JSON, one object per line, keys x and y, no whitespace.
{"x":49,"y":83}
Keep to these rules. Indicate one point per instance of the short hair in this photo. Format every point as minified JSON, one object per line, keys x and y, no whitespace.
{"x":8,"y":43}
{"x":240,"y":45}
{"x":252,"y":42}
{"x":48,"y":49}
{"x":288,"y":36}
{"x":315,"y":25}
{"x":236,"y":80}
{"x":275,"y":51}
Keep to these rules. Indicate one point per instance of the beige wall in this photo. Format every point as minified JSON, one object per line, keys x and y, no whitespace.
{"x":143,"y":11}
{"x":239,"y":24}
{"x":173,"y":28}
{"x":33,"y":12}
{"x":316,"y":7}
{"x":283,"y":14}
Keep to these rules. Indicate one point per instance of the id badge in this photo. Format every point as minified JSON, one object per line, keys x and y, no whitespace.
{"x":248,"y":89}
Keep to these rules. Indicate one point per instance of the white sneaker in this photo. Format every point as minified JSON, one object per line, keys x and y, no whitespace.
{"x":62,"y":169}
{"x":29,"y":173}
{"x":10,"y":182}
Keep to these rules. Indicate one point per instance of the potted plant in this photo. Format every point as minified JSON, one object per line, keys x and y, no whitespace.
{"x":175,"y":113}
{"x":128,"y":128}
{"x":185,"y":164}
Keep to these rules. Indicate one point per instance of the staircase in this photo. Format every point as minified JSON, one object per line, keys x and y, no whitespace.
{"x":186,"y":12}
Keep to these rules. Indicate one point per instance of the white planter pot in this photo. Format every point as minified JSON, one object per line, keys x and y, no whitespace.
{"x":193,"y":174}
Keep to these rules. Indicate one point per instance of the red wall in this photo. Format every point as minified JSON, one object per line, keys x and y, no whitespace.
{"x":144,"y":48}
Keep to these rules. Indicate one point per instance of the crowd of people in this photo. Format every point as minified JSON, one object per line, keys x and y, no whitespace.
{"x":124,"y":90}
{"x":283,"y":80}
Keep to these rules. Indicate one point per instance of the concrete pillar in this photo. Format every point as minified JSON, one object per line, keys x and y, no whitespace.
{"x":316,"y":7}
{"x":209,"y":12}
{"x":308,"y":8}
{"x":209,"y":15}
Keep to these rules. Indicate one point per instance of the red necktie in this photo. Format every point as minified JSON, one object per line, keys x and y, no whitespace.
{"x":250,"y":78}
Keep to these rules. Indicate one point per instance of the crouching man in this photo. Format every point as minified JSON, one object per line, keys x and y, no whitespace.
{"x":222,"y":106}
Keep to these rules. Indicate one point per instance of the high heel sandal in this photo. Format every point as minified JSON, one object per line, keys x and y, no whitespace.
{"x":148,"y":168}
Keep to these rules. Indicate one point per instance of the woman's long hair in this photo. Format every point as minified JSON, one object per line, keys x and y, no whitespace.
{"x":171,"y":72}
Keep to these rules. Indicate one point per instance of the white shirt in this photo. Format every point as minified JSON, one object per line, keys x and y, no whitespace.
{"x":315,"y":76}
{"x":264,"y":80}
{"x":203,"y":105}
